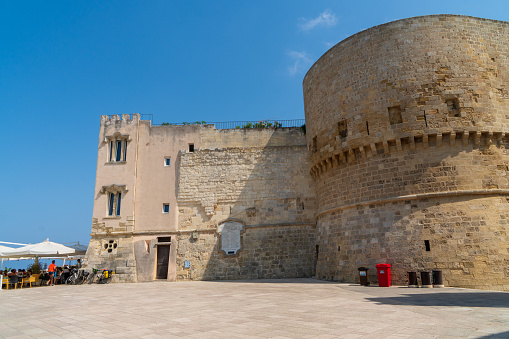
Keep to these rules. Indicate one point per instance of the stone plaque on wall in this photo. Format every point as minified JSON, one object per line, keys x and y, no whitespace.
{"x":230,"y":236}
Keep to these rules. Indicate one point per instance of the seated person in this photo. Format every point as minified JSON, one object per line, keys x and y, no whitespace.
{"x":65,"y":274}
{"x":13,"y":278}
{"x":44,"y":277}
{"x":58,"y":276}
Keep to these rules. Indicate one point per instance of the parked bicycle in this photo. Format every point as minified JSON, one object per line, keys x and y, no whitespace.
{"x":103,"y":277}
{"x":77,"y":277}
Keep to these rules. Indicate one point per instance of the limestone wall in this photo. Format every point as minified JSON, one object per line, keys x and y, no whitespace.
{"x":266,"y":253}
{"x":458,"y":204}
{"x":113,"y":252}
{"x":416,"y":77}
{"x":212,"y":138}
{"x":267,"y":189}
{"x":407,"y":135}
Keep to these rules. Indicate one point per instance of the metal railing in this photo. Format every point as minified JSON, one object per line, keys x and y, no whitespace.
{"x":246,"y":124}
{"x":229,"y":124}
{"x":145,"y":116}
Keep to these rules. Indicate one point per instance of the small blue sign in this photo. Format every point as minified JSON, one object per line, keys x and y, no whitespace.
{"x":187,"y":264}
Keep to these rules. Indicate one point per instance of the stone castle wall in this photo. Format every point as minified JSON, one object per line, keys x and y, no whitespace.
{"x":266,"y":189}
{"x":407,"y":135}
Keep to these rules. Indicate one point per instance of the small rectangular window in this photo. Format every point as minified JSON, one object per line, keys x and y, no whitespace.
{"x":114,"y":200}
{"x":167,"y":161}
{"x":119,"y":197}
{"x":191,"y":147}
{"x":395,"y":115}
{"x":453,"y":105}
{"x":166,"y":208}
{"x":119,"y":150}
{"x":342,"y":129}
{"x":125,"y":151}
{"x":426,"y":244}
{"x":111,"y":203}
{"x":111,"y":151}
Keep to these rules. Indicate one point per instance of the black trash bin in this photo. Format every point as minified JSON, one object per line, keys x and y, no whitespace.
{"x":437,"y":279}
{"x":426,"y":279}
{"x":412,"y":279}
{"x":363,"y":274}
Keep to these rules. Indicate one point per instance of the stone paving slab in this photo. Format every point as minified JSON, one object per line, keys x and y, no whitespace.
{"x":289,"y":308}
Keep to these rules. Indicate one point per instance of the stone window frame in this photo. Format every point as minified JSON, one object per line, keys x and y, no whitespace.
{"x":115,"y":193}
{"x":117,"y":148}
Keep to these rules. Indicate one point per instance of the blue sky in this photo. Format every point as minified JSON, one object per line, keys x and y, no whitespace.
{"x":64,"y":63}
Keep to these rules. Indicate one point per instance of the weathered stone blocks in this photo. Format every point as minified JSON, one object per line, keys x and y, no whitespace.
{"x":407,"y":131}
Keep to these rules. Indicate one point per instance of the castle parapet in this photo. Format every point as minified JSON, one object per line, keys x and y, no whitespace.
{"x":123,"y":118}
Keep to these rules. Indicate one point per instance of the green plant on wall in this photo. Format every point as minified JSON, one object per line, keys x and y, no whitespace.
{"x":303,"y":128}
{"x":261,"y":124}
{"x":195,"y":123}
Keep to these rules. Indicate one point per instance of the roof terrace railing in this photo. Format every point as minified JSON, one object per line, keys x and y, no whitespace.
{"x":230,"y":124}
{"x":246,"y":124}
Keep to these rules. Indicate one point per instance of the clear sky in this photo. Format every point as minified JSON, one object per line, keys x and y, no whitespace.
{"x":65,"y":63}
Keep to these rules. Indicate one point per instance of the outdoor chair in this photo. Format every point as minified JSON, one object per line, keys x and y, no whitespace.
{"x":33,"y":279}
{"x":5,"y":281}
{"x":13,"y":281}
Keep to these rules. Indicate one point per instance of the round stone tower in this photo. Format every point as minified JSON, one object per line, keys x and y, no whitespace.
{"x":408,"y":133}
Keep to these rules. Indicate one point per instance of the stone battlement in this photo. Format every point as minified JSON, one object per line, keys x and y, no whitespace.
{"x":330,"y":156}
{"x":115,"y":118}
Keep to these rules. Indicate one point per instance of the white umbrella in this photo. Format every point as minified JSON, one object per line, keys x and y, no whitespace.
{"x":42,"y":249}
{"x":4,"y":250}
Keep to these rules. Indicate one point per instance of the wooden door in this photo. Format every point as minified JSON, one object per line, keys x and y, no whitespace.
{"x":163,"y":258}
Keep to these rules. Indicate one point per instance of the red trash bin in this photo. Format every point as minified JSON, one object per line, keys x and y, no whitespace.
{"x":384,"y":274}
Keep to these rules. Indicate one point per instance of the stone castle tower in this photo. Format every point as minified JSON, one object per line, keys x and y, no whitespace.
{"x":408,"y":130}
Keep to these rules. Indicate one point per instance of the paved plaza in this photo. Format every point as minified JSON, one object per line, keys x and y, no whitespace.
{"x":292,"y":308}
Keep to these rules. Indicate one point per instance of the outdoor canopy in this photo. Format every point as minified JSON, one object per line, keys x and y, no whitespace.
{"x":42,"y":249}
{"x":4,"y":250}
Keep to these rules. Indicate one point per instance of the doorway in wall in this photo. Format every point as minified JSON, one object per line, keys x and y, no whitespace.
{"x":163,"y":257}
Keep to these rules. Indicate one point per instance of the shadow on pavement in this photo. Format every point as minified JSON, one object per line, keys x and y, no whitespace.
{"x":472,"y":299}
{"x":277,"y":281}
{"x":501,"y":335}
